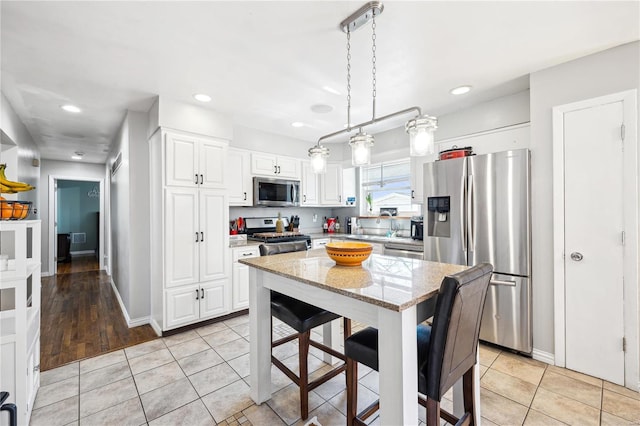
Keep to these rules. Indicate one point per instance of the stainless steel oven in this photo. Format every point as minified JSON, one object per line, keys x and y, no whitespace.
{"x":271,"y":192}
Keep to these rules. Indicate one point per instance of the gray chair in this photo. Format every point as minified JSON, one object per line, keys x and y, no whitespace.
{"x":446,"y":350}
{"x":302,"y":317}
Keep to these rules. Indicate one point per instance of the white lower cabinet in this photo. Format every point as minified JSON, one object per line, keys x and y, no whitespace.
{"x":188,"y":304}
{"x":240,"y":276}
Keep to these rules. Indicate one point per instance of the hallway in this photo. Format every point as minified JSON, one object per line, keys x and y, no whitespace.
{"x":81,"y":317}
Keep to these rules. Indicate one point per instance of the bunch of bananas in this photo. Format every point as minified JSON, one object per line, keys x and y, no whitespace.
{"x":9,"y":187}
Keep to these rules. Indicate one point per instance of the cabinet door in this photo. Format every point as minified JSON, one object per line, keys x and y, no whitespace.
{"x":182,"y":305}
{"x":263,"y":164}
{"x":212,"y":157}
{"x":181,"y":165}
{"x":288,"y":168}
{"x":181,"y":226}
{"x":417,"y":175}
{"x":213,"y":235}
{"x":214,"y":298}
{"x":240,"y":286}
{"x":309,"y":185}
{"x":331,"y":185}
{"x":239,"y":181}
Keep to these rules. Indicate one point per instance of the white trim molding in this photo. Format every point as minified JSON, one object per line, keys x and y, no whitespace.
{"x":135,"y":322}
{"x":631,"y":210}
{"x":546,"y":357}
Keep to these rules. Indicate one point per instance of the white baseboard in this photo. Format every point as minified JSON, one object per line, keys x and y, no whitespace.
{"x":155,"y":327}
{"x":46,"y":274}
{"x":135,"y":322}
{"x":81,"y":252}
{"x":543,"y":356}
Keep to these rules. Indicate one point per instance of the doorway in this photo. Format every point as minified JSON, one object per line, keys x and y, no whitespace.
{"x":80,"y":201}
{"x":595,"y":237}
{"x":77,"y":222}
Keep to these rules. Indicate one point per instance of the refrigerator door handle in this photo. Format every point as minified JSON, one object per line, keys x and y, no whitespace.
{"x":463,"y":213}
{"x":471,"y":205}
{"x":502,"y":282}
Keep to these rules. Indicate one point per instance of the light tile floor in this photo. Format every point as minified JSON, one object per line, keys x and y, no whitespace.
{"x":200,"y":377}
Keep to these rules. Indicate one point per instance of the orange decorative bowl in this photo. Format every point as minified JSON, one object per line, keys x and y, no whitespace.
{"x":348,"y":253}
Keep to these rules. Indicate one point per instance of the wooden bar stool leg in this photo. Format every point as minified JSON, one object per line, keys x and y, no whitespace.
{"x":467,"y":394}
{"x":433,"y":412}
{"x":352,"y":390}
{"x":303,"y":352}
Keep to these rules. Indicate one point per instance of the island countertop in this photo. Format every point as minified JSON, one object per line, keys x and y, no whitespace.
{"x":394,"y":283}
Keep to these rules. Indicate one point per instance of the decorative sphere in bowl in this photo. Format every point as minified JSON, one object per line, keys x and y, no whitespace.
{"x":348,"y":253}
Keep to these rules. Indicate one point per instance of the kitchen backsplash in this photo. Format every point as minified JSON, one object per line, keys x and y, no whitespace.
{"x":307,"y":225}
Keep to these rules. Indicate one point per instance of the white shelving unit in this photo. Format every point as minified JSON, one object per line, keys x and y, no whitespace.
{"x":20,"y":315}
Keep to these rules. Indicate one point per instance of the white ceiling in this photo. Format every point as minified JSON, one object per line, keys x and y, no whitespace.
{"x":265,"y":63}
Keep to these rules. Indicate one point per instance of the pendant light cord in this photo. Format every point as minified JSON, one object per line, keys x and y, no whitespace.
{"x":373,"y":62}
{"x":348,"y":80}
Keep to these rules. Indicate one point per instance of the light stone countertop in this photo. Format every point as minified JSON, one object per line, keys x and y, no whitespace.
{"x":391,"y":282}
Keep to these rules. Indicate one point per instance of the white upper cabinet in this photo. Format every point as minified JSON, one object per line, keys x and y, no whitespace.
{"x":309,"y":185}
{"x":275,"y":166}
{"x":195,"y":161}
{"x":239,"y":180}
{"x":417,"y":174}
{"x":331,"y":186}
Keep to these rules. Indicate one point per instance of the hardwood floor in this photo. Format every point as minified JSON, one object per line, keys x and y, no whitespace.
{"x":81,"y":316}
{"x":79,"y":264}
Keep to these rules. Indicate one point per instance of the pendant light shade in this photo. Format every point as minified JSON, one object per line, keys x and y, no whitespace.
{"x":361,"y":145}
{"x":421,"y":140}
{"x":318,"y":155}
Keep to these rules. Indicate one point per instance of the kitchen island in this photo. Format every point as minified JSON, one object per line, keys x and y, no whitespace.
{"x":390,"y":293}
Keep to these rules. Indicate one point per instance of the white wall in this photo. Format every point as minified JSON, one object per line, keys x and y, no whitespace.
{"x":171,"y":114}
{"x":67,"y":169}
{"x":18,"y":146}
{"x":610,"y":71}
{"x":129,"y":213}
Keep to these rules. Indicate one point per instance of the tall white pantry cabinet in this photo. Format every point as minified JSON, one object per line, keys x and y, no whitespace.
{"x":190,"y":269}
{"x":20,"y":316}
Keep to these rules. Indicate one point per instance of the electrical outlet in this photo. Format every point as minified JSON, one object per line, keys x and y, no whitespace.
{"x":315,"y":217}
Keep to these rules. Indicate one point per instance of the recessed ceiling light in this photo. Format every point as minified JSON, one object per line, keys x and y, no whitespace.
{"x":71,"y":108}
{"x":297,"y":124}
{"x":331,"y":90}
{"x":321,"y":108}
{"x":461,"y":90}
{"x":202,"y":97}
{"x":76,"y":157}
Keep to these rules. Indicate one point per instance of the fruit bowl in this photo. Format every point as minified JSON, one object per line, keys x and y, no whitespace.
{"x":348,"y":253}
{"x":14,"y":210}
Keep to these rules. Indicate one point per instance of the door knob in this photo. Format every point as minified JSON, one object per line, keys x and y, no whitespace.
{"x":576,"y":256}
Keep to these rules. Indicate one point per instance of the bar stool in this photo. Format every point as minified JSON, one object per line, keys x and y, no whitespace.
{"x":446,"y":350}
{"x":302,"y":317}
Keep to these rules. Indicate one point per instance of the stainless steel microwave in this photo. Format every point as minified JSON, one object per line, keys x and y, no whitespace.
{"x":271,"y":192}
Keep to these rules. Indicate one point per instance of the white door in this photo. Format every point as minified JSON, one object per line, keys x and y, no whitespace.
{"x":288,"y":168}
{"x":593,"y":248}
{"x":213,"y":237}
{"x":331,"y":185}
{"x":182,"y":161}
{"x":214,"y":298}
{"x":263,"y":164}
{"x":183,"y":236}
{"x":309,"y":185}
{"x":212,"y":157}
{"x":183,"y":305}
{"x":239,"y":178}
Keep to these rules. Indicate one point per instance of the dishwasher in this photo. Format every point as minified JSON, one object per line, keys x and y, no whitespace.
{"x":404,"y":250}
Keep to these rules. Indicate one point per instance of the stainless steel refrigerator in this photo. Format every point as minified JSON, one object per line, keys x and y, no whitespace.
{"x":478,"y":210}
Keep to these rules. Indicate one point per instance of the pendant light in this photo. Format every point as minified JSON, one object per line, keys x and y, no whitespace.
{"x":421,"y":140}
{"x":420,"y":128}
{"x":318,"y":155}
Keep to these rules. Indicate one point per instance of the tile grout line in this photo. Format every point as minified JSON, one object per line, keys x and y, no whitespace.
{"x":135,"y":384}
